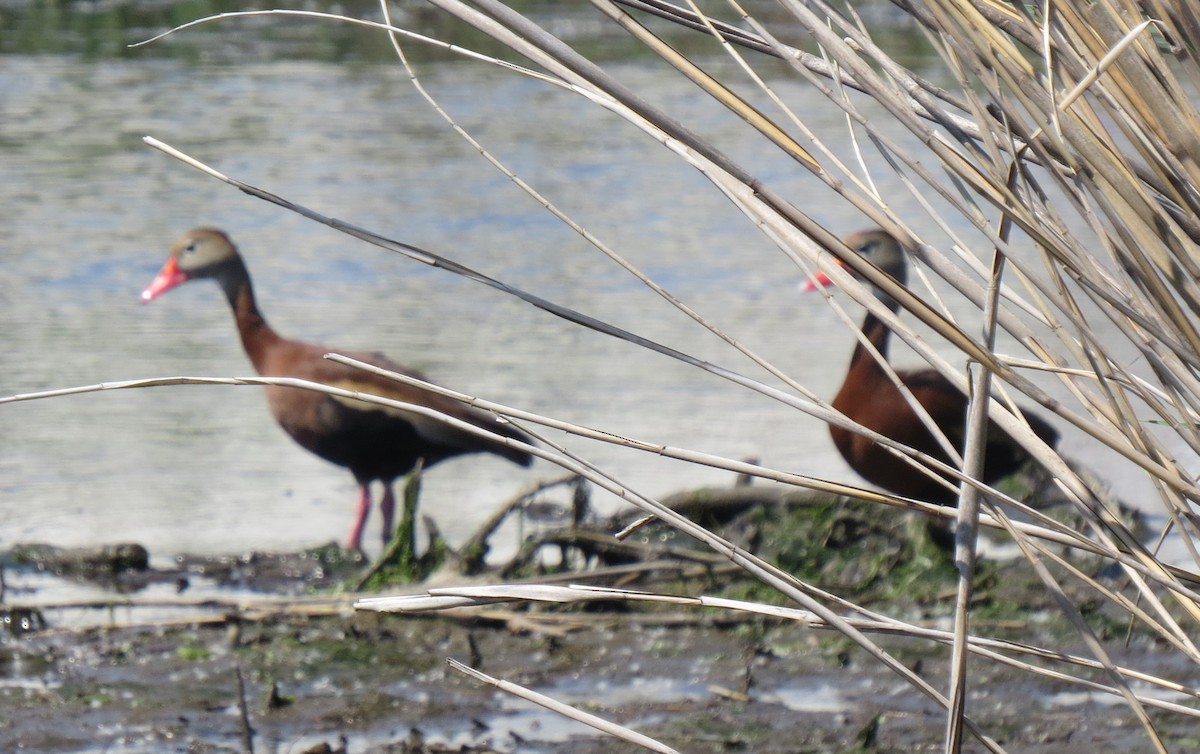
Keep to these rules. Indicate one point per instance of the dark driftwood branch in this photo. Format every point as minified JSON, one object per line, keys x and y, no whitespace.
{"x":607,"y":549}
{"x":708,"y":505}
{"x":473,"y":552}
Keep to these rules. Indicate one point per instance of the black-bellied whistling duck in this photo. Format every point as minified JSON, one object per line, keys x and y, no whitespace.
{"x":869,"y":397}
{"x":373,"y":441}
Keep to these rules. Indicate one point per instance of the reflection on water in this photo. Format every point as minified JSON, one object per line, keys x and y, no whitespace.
{"x":90,"y":211}
{"x":106,"y":29}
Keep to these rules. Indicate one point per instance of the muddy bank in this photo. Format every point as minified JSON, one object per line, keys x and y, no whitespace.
{"x":371,"y":683}
{"x":291,"y":667}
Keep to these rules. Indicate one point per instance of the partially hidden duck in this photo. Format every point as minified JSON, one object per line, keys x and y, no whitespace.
{"x":868,"y":396}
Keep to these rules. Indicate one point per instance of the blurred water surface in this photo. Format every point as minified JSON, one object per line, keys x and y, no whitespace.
{"x":89,"y":212}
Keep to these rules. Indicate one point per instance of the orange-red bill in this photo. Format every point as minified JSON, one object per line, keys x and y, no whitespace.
{"x":166,"y":279}
{"x":819,"y":280}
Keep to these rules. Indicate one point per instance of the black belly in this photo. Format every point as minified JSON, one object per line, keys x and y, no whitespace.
{"x":373,"y":444}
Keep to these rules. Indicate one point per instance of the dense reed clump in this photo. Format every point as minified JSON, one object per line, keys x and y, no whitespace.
{"x":1051,"y":149}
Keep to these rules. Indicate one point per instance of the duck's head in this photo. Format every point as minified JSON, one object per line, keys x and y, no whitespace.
{"x":199,"y":253}
{"x":878,"y":247}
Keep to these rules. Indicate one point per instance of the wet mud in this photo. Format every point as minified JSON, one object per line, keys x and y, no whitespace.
{"x":290,"y":666}
{"x":380,"y":683}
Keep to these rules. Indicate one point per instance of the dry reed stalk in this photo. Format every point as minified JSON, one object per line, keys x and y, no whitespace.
{"x":566,"y":710}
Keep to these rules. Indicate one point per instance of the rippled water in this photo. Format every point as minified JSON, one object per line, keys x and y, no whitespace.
{"x":90,"y":210}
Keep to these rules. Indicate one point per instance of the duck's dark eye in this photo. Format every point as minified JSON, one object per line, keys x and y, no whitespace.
{"x":867,"y":247}
{"x":189,"y":248}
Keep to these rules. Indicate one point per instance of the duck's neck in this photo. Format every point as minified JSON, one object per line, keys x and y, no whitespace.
{"x":878,"y":335}
{"x":257,"y":336}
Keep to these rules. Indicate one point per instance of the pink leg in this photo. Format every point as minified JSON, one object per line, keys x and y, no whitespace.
{"x":387,"y":508}
{"x":354,"y":541}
